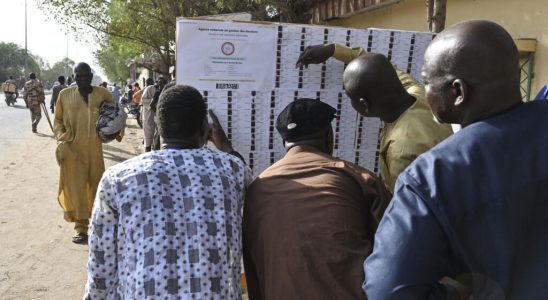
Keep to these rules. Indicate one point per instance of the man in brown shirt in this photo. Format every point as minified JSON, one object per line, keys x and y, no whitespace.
{"x":310,"y":219}
{"x":55,"y":92}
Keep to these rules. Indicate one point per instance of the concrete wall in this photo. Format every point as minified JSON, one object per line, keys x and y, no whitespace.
{"x":522,"y":18}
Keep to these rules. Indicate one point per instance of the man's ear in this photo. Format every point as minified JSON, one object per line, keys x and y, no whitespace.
{"x":460,"y":89}
{"x":364,"y":105}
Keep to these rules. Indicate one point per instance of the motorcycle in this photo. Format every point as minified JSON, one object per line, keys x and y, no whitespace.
{"x":11,"y":98}
{"x":132,"y":108}
{"x":10,"y":93}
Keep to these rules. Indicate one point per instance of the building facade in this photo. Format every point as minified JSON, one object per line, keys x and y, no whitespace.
{"x":526,"y":21}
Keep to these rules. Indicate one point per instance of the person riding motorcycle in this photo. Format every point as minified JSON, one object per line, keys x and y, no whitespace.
{"x":9,"y":87}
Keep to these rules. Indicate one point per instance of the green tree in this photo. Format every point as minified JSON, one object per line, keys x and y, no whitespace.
{"x":296,"y":11}
{"x":62,"y":67}
{"x":146,"y":28}
{"x":113,"y":57}
{"x":12,"y":61}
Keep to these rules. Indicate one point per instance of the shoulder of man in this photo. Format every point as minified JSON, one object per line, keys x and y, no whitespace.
{"x":236,"y":163}
{"x":355,"y":171}
{"x":421,"y":117}
{"x":103,"y":91}
{"x":65,"y":91}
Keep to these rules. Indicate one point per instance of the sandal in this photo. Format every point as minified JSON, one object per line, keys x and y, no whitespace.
{"x":80,"y":238}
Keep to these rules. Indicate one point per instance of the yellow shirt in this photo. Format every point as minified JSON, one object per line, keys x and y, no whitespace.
{"x":413,"y":133}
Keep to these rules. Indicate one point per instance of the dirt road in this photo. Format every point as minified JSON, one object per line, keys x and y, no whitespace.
{"x":37,"y":258}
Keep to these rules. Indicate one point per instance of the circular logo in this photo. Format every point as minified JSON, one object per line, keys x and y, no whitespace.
{"x":227,"y":48}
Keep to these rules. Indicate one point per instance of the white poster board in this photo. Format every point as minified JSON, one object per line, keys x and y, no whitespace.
{"x":248,"y":112}
{"x":226,"y":55}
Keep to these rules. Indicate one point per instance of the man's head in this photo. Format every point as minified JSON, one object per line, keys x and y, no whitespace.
{"x":182,"y":115}
{"x":373,"y":86}
{"x":32,"y":76}
{"x":149,"y":81}
{"x":307,"y":121}
{"x":471,"y":71}
{"x":83,"y":75}
{"x":11,"y":77}
{"x":61,"y":79}
{"x":104,"y":84}
{"x":161,"y":81}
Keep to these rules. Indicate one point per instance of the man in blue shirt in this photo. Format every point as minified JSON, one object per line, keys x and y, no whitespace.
{"x":470,"y":215}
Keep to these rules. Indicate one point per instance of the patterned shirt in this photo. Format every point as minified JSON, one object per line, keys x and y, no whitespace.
{"x":167,"y":225}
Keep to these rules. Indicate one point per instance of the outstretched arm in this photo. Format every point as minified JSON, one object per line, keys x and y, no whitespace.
{"x":218,"y":136}
{"x":318,"y":54}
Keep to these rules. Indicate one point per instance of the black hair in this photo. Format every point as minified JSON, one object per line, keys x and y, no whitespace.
{"x":32,"y":76}
{"x":82,"y":66}
{"x":61,"y":79}
{"x":181,"y":112}
{"x":149,"y":81}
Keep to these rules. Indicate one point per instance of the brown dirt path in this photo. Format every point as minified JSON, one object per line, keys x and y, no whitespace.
{"x":37,"y":258}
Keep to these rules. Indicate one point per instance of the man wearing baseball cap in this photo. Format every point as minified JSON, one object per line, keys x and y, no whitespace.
{"x":310,"y":219}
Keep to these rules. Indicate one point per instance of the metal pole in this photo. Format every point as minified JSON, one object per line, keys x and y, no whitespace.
{"x":26,"y":51}
{"x":531,"y":75}
{"x":66,"y":56}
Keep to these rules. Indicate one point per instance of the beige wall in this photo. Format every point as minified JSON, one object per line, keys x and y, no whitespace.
{"x":522,"y":18}
{"x":145,"y":73}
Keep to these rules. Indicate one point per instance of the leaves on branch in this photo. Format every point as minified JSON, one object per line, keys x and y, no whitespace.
{"x":145,"y":28}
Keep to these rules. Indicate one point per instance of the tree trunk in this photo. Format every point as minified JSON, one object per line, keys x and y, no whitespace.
{"x":429,"y":13}
{"x":438,"y":18}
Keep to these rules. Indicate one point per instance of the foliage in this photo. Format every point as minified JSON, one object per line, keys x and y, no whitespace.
{"x":140,"y":29}
{"x":63,"y":67}
{"x":296,"y":11}
{"x":113,"y":57}
{"x":12,"y":62}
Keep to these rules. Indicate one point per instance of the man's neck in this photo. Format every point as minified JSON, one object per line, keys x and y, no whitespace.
{"x":318,"y":145}
{"x":400,"y":106}
{"x":491,"y":112}
{"x":168,"y":143}
{"x":84,"y":92}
